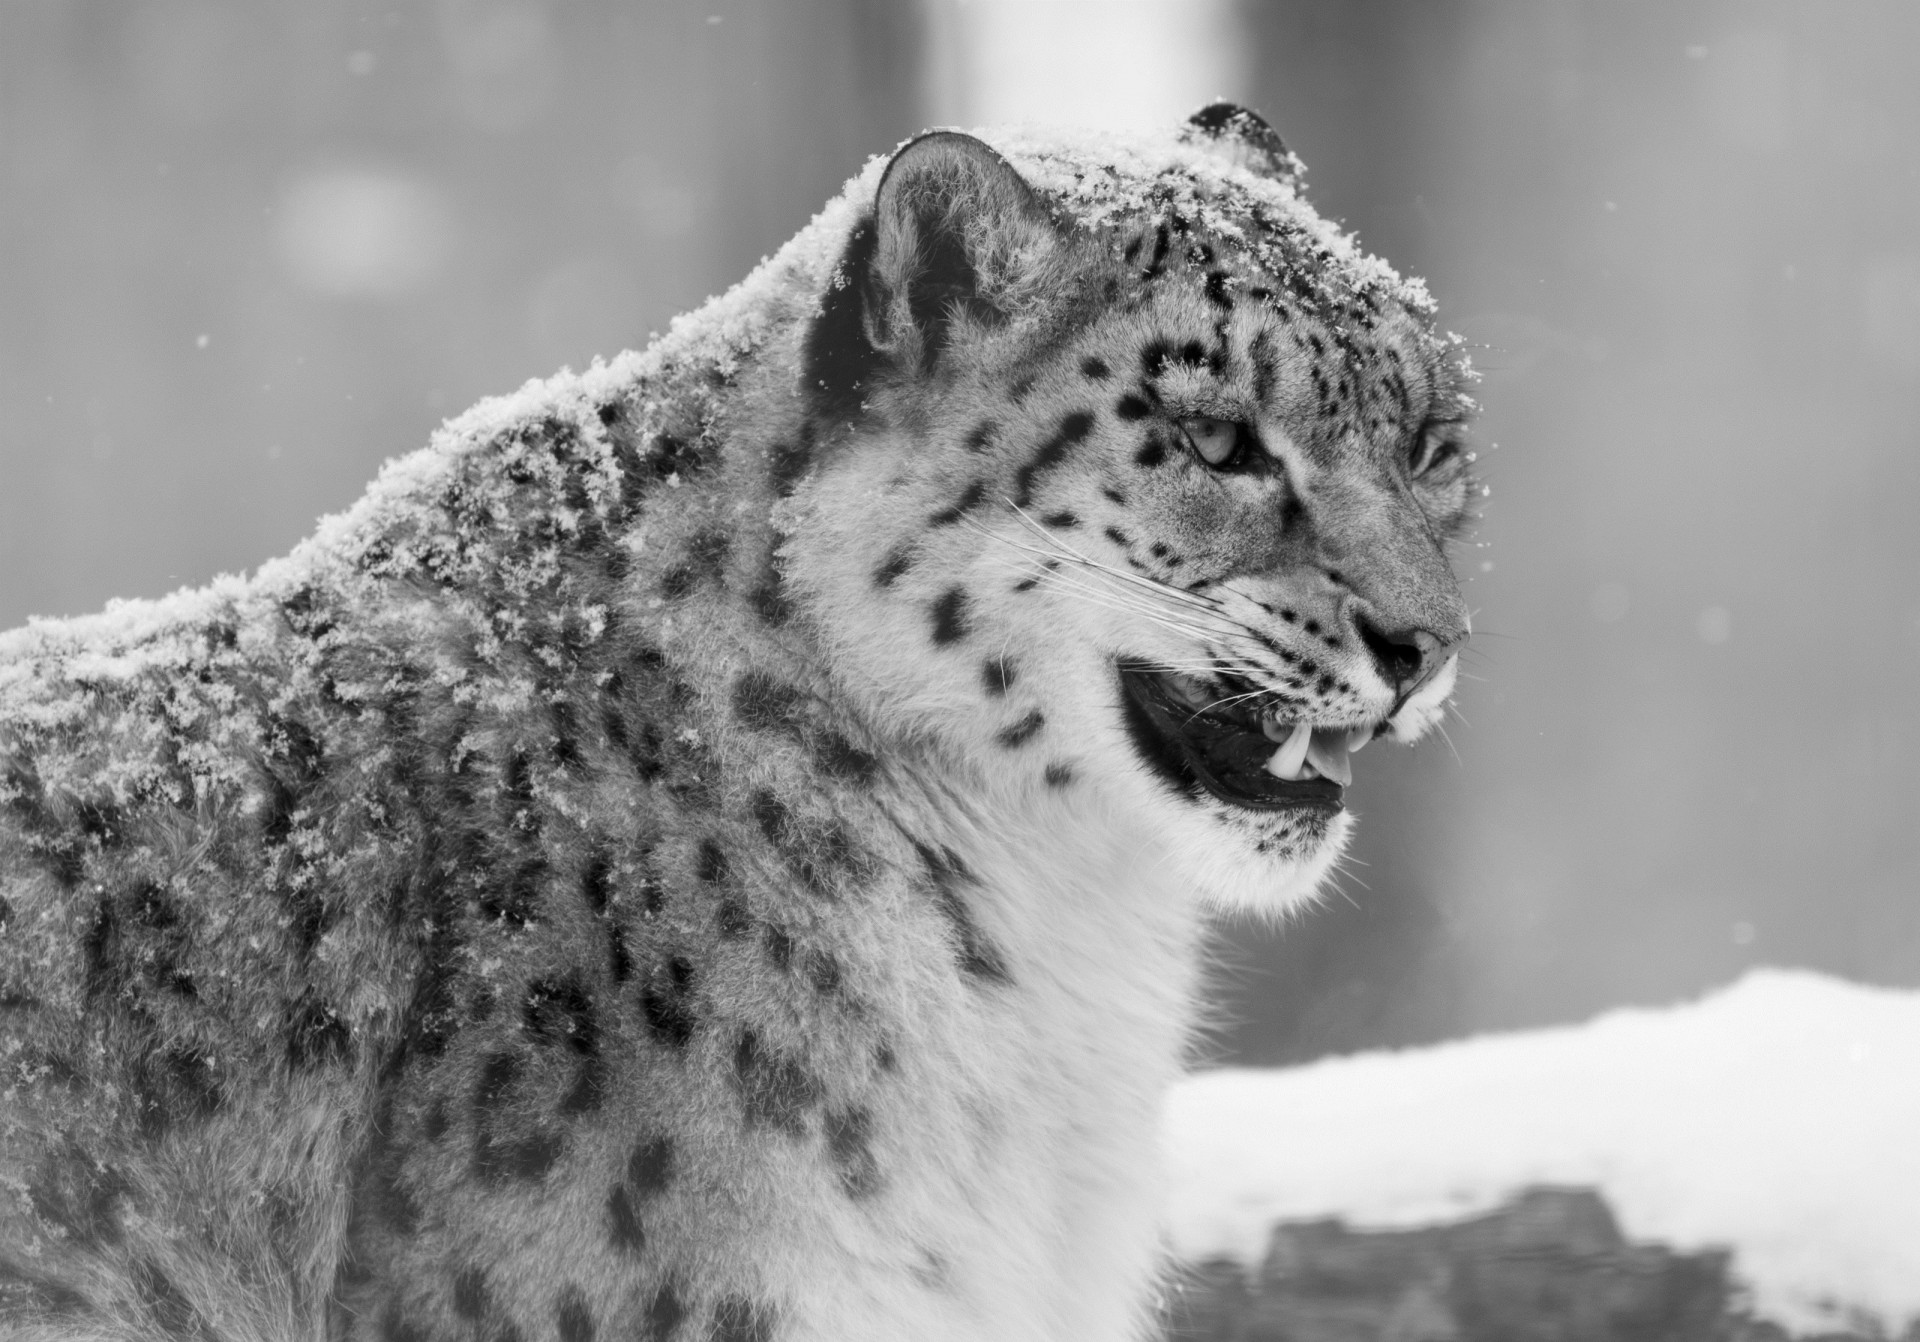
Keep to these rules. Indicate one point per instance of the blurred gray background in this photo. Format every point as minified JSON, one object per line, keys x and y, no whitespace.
{"x":251,"y":248}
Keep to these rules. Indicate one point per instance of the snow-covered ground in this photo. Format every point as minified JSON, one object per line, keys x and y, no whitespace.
{"x":1779,"y":1117}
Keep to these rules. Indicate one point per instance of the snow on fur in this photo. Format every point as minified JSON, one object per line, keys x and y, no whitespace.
{"x":1135,"y":173}
{"x":1777,"y":1118}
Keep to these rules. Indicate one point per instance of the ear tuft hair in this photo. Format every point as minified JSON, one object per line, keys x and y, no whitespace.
{"x":956,"y":236}
{"x":1244,"y":137}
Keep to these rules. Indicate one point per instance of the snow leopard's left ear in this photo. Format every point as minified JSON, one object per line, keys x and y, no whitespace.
{"x":1235,"y":133}
{"x":957,"y":242}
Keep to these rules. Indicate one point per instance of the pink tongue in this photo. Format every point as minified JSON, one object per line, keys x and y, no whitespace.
{"x":1327,"y":752}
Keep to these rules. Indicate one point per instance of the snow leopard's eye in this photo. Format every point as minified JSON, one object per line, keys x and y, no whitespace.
{"x":1220,"y":443}
{"x":1436,"y":445}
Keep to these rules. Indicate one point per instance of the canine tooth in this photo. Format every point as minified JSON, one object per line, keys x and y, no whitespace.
{"x":1287,"y":760}
{"x":1276,"y":730}
{"x":1358,"y":738}
{"x":1327,"y":752}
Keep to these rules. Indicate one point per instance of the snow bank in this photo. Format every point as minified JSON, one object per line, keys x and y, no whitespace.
{"x":1779,"y":1117}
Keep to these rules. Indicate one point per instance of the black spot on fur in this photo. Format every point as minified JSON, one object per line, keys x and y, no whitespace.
{"x":650,"y":1167}
{"x":1266,"y":369}
{"x":1062,"y":519}
{"x":623,"y":1223}
{"x":733,"y":920}
{"x":897,"y":562}
{"x":967,"y":501}
{"x":1073,"y":428}
{"x":711,"y":863}
{"x":771,"y":814}
{"x":998,"y":674}
{"x":789,"y":460}
{"x":1117,"y":536}
{"x":470,"y":1294}
{"x":513,"y":898}
{"x":619,"y":959}
{"x":1152,"y":452}
{"x":777,"y":1091}
{"x":779,"y":947}
{"x":843,"y":759}
{"x":596,"y":881}
{"x":1059,"y":775}
{"x":316,"y":1037}
{"x":560,"y":1012}
{"x":677,"y":581}
{"x":497,"y":1076}
{"x":950,"y":617}
{"x":99,"y":819}
{"x":1155,"y":355}
{"x":1216,"y":289}
{"x":1131,"y":407}
{"x":1022,"y":731}
{"x":981,"y":436}
{"x":566,"y":743}
{"x":572,"y":1316}
{"x":849,"y":1136}
{"x":769,"y":598}
{"x":665,"y":1003}
{"x":766,"y":704}
{"x":977,"y":957}
{"x":1095,"y":367}
{"x":823,"y":971}
{"x":181,"y":1085}
{"x":1157,"y":263}
{"x":663,"y":1316}
{"x":589,"y":1090}
{"x":738,"y":1319}
{"x":80,"y":1199}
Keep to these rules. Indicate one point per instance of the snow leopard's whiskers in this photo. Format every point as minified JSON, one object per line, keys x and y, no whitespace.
{"x":1184,"y":613}
{"x":1060,"y":548}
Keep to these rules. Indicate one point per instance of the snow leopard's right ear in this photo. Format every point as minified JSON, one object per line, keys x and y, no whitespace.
{"x":957,"y":241}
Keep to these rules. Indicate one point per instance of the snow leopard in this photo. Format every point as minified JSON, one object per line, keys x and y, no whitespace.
{"x":717,"y":846}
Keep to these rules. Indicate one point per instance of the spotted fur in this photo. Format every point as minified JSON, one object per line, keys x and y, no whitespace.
{"x":671,"y":862}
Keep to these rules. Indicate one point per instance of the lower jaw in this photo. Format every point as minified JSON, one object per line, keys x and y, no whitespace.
{"x":1230,"y":772}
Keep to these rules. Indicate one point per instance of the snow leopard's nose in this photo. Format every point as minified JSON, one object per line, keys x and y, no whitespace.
{"x":1406,"y":657}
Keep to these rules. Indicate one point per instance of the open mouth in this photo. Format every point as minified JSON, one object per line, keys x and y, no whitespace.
{"x":1235,"y":747}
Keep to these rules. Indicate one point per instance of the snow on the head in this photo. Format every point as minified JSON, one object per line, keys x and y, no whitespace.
{"x":1777,"y":1118}
{"x":1094,"y":179}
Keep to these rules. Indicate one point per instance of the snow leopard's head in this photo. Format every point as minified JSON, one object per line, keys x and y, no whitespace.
{"x":1136,"y":481}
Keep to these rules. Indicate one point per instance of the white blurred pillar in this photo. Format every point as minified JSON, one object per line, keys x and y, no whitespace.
{"x":1108,"y":63}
